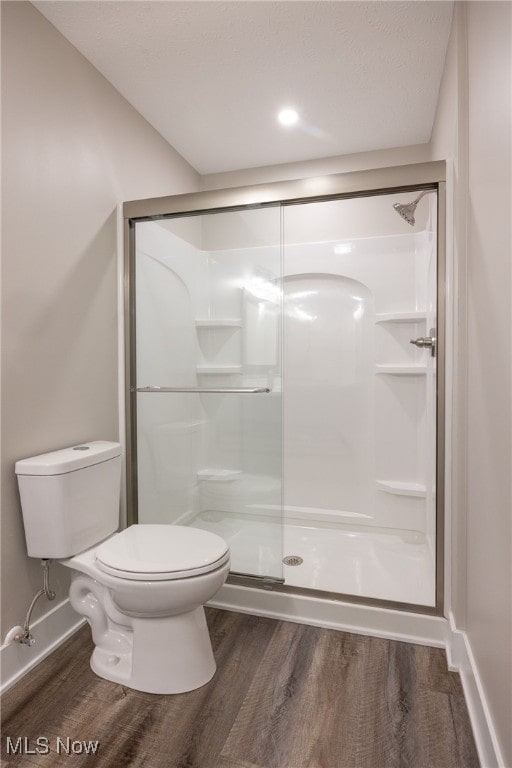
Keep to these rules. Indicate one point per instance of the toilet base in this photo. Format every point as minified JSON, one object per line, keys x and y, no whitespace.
{"x":168,"y":655}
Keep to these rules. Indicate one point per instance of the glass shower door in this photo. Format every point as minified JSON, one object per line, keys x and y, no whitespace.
{"x":208,"y":301}
{"x":360,"y":440}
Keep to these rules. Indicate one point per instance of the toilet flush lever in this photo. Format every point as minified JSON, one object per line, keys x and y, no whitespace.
{"x":428,"y":342}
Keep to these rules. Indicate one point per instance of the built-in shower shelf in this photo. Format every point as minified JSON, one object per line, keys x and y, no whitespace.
{"x":400,"y":317}
{"x":401,"y":370}
{"x":399,"y":488}
{"x":234,"y":322}
{"x":218,"y":370}
{"x":216,"y":475}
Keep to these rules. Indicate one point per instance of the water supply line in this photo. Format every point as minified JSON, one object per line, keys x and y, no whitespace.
{"x":25,"y":637}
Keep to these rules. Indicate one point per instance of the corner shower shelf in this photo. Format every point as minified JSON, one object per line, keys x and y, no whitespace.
{"x":218,"y":370}
{"x":398,"y":488}
{"x":226,"y":323}
{"x":401,"y":370}
{"x":400,"y":317}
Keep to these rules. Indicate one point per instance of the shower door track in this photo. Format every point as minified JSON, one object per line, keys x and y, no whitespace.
{"x":279,"y":585}
{"x":390,"y":180}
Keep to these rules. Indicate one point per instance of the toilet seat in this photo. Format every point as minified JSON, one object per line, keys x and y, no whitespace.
{"x":161,"y":552}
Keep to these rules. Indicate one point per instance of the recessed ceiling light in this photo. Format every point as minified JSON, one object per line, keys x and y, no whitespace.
{"x":288,"y":116}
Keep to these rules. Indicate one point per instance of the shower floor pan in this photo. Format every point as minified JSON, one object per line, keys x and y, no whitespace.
{"x":365,"y":563}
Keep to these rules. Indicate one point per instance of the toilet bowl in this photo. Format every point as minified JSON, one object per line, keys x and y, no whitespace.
{"x":142,"y":590}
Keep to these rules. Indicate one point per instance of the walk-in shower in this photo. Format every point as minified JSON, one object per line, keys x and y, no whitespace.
{"x":274,"y":395}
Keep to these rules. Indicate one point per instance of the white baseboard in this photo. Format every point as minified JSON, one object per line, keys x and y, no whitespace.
{"x":333,"y":614}
{"x":49,"y":632}
{"x":461,"y":660}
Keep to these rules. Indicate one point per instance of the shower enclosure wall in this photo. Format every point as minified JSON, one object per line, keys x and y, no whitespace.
{"x":275,"y":396}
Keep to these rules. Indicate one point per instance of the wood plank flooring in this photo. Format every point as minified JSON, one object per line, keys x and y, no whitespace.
{"x":284,"y":696}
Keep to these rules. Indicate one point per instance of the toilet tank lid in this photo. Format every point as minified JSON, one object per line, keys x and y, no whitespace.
{"x":68,"y":459}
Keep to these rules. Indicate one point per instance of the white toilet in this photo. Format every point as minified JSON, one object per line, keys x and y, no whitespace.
{"x":142,"y":590}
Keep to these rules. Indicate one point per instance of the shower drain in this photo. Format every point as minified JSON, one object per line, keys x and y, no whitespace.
{"x":292,"y":560}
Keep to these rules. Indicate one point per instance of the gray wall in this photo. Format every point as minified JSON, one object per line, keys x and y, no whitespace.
{"x":72,"y":148}
{"x":381,"y":158}
{"x":473,"y":130}
{"x":489,"y":359}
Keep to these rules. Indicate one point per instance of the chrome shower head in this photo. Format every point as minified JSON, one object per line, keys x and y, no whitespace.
{"x":406,"y":210}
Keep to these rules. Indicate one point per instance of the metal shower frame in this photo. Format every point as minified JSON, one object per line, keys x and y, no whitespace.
{"x":391,"y":180}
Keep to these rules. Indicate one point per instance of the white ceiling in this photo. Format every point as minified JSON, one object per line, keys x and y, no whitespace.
{"x":211,"y":76}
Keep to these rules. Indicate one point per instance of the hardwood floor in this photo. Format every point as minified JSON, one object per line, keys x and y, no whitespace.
{"x":284,"y":696}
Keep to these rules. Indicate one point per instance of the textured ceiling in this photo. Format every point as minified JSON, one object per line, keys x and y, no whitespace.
{"x":211,"y":76}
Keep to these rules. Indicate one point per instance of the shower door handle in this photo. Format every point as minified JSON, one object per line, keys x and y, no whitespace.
{"x":208,"y":390}
{"x":426,"y":342}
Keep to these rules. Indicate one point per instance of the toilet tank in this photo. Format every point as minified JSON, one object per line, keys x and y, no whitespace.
{"x":70,"y":498}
